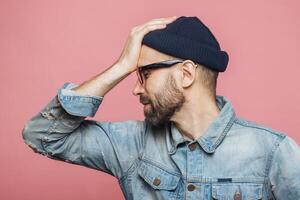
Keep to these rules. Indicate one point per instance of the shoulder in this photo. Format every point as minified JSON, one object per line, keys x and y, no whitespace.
{"x":256,"y":129}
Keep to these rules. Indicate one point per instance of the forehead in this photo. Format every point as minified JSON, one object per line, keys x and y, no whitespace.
{"x":149,"y":55}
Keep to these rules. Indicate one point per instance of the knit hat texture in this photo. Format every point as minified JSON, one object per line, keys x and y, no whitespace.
{"x":189,"y":38}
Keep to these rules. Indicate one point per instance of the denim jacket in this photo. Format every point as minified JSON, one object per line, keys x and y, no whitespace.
{"x":234,"y":159}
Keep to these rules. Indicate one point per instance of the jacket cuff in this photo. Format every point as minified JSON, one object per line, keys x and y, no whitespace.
{"x":77,"y":104}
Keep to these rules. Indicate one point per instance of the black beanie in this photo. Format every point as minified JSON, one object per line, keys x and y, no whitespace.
{"x":188,"y":38}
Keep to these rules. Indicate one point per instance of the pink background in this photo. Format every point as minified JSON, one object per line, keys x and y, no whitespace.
{"x":47,"y":43}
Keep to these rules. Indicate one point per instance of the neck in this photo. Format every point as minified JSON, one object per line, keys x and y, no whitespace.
{"x":195,"y":116}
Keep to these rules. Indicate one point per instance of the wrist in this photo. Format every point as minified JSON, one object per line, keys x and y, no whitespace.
{"x":125,"y":67}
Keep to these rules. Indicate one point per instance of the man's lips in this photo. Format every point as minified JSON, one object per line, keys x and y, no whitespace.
{"x":145,"y":103}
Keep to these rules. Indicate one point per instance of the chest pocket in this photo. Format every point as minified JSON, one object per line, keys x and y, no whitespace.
{"x":237,"y":191}
{"x":158,"y":178}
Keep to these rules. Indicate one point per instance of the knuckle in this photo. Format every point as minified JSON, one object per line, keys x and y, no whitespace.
{"x":134,"y":28}
{"x":147,"y":27}
{"x":132,"y":32}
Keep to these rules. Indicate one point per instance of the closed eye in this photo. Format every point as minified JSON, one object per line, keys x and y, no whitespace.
{"x":146,"y":73}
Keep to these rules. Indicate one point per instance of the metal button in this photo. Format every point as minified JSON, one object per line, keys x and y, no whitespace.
{"x":237,"y":196}
{"x":156,"y":181}
{"x":191,"y":187}
{"x":193,"y":146}
{"x":45,"y":139}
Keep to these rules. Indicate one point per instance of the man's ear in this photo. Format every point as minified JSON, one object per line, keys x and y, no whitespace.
{"x":188,"y":72}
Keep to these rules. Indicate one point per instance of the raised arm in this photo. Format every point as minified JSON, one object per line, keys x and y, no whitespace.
{"x":60,"y":130}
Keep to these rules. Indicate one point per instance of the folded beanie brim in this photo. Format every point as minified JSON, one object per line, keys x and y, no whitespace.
{"x":185,"y":48}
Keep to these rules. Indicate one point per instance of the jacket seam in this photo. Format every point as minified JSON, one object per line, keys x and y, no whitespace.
{"x":225,"y":131}
{"x":271,"y":159}
{"x":162,"y":167}
{"x":129,"y":171}
{"x":140,"y":152}
{"x":279,"y":134}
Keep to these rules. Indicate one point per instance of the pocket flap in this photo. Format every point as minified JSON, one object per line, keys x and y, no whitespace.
{"x":249,"y":191}
{"x":157,"y":177}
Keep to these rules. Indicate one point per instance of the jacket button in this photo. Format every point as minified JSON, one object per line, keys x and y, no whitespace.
{"x":191,"y":187}
{"x":193,"y":146}
{"x":156,"y":181}
{"x":237,"y":196}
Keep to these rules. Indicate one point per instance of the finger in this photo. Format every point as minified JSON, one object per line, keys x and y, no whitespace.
{"x":149,"y":28}
{"x":164,"y":18}
{"x":155,"y":21}
{"x":158,"y":22}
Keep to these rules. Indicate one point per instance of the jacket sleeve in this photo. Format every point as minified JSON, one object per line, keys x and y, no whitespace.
{"x":61,"y":132}
{"x":285,"y":170}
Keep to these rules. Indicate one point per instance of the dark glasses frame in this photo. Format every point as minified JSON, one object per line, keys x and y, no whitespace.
{"x":166,"y":63}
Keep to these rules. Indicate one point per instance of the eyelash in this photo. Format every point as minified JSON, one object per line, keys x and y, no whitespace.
{"x":146,"y":74}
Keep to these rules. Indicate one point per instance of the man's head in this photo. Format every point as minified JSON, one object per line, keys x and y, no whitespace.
{"x":165,"y":90}
{"x":171,"y":89}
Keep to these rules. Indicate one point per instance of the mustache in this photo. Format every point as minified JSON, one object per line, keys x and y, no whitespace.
{"x":144,"y":100}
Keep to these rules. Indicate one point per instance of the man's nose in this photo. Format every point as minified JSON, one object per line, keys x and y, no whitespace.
{"x":138,"y":89}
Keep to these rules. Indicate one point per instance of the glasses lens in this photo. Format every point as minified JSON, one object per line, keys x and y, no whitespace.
{"x":166,"y":63}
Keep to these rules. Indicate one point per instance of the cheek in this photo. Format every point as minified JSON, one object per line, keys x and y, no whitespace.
{"x":157,"y":82}
{"x":153,"y":90}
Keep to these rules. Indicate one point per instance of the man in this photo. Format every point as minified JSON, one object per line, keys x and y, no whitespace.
{"x":191,"y":144}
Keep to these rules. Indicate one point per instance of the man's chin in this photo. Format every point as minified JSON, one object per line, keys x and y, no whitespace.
{"x":155,"y":123}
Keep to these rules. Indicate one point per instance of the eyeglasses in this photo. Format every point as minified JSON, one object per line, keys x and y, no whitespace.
{"x":166,"y":63}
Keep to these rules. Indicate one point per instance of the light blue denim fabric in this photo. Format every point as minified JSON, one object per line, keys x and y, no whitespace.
{"x":234,"y":159}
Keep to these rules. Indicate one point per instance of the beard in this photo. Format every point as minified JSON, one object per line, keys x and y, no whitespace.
{"x":167,"y":101}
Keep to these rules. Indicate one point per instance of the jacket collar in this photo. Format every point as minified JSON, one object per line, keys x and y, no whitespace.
{"x":214,"y":134}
